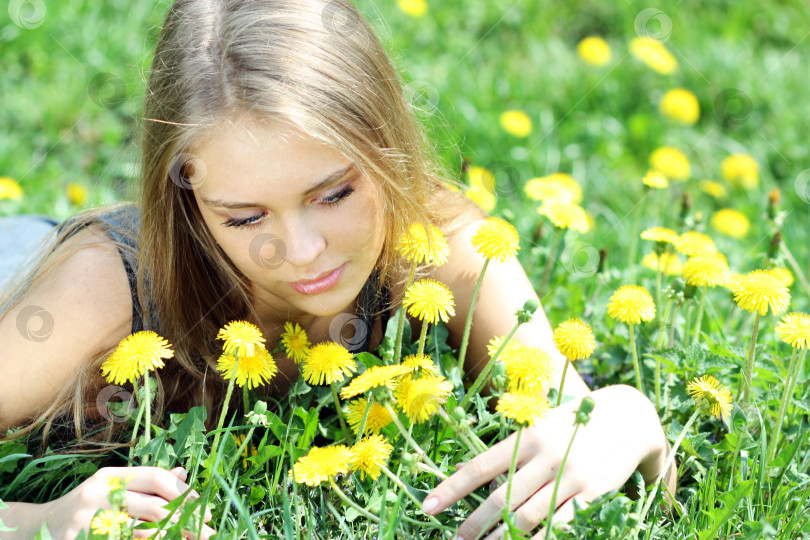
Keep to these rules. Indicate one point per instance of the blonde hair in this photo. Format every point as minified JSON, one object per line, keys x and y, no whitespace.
{"x":315,"y":65}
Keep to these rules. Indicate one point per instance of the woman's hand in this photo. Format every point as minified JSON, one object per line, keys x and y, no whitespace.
{"x":148,"y":490}
{"x":623,"y":434}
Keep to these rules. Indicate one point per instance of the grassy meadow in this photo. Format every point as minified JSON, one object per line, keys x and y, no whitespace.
{"x":738,"y":173}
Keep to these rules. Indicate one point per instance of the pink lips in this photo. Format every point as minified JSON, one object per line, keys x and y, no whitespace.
{"x":321,"y":284}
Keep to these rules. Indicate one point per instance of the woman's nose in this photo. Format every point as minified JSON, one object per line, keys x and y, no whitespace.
{"x":303,"y":243}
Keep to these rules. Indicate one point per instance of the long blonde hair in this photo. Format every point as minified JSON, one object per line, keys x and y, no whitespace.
{"x":315,"y":65}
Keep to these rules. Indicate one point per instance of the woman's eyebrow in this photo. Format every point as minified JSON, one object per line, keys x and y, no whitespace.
{"x":233,"y":205}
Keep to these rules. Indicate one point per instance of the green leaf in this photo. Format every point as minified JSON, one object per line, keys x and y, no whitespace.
{"x":730,"y":500}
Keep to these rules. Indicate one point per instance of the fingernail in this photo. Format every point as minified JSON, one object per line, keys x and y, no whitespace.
{"x":194,"y":494}
{"x":208,"y":515}
{"x":459,"y":537}
{"x":430,"y":505}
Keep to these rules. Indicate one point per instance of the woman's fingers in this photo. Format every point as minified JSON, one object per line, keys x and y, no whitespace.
{"x":163,"y":483}
{"x":563,"y":514}
{"x":527,"y":480}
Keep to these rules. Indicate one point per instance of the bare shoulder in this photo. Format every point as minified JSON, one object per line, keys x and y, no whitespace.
{"x":78,"y":310}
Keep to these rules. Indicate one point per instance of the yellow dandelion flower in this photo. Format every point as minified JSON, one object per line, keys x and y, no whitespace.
{"x":557,"y":187}
{"x":631,"y":304}
{"x":372,"y":378}
{"x":241,"y":338}
{"x":249,"y":451}
{"x":107,"y":521}
{"x":421,"y":362}
{"x":782,"y":274}
{"x":420,"y":398}
{"x":378,"y":416}
{"x":524,"y":408}
{"x":495,"y":344}
{"x":794,"y":329}
{"x":422,"y":244}
{"x":566,"y":216}
{"x":660,"y":234}
{"x":135,"y":355}
{"x":655,"y":179}
{"x":528,"y":369}
{"x":369,"y":456}
{"x":496,"y":239}
{"x":693,"y":242}
{"x":758,"y":290}
{"x":10,"y":189}
{"x":480,"y":196}
{"x":731,"y":223}
{"x":574,"y":339}
{"x":714,"y":189}
{"x":680,"y":105}
{"x":295,"y":342}
{"x":707,"y":269}
{"x":740,"y":170}
{"x":479,"y":176}
{"x":253,"y":370}
{"x":516,"y":123}
{"x":594,"y":51}
{"x":321,"y":464}
{"x":654,"y":54}
{"x":413,"y":8}
{"x":710,"y":397}
{"x":671,"y":264}
{"x":328,"y":363}
{"x":429,"y":301}
{"x":671,"y":162}
{"x":76,"y":193}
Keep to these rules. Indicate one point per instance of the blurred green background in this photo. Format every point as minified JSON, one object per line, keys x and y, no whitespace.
{"x":74,"y":72}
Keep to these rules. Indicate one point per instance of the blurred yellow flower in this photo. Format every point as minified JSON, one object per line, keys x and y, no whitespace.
{"x":134,"y":356}
{"x":740,"y":170}
{"x":654,"y":54}
{"x":671,"y":162}
{"x":631,"y":304}
{"x":328,"y":363}
{"x":420,"y":398}
{"x":76,"y":193}
{"x":528,"y":369}
{"x":713,"y":188}
{"x":594,"y":51}
{"x":794,"y":329}
{"x":241,"y":338}
{"x":495,"y":343}
{"x":710,"y":397}
{"x":295,"y":342}
{"x":414,"y":8}
{"x":574,"y":339}
{"x":707,"y":269}
{"x":320,"y":464}
{"x":566,"y":216}
{"x":782,"y":274}
{"x":759,"y":290}
{"x":660,"y":234}
{"x":731,"y":223}
{"x":378,"y":416}
{"x":516,"y":123}
{"x":422,"y":244}
{"x":496,"y":239}
{"x":694,"y":242}
{"x":369,"y":456}
{"x":372,"y":378}
{"x":557,"y":187}
{"x":429,"y":301}
{"x":252,"y":370}
{"x":479,"y":176}
{"x":108,"y":521}
{"x":680,"y":105}
{"x":655,"y":179}
{"x":524,"y":408}
{"x":480,"y":196}
{"x":671,"y":264}
{"x":10,"y":189}
{"x":420,"y":363}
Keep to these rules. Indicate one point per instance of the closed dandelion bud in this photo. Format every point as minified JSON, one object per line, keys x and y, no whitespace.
{"x":602,"y":260}
{"x":774,"y":197}
{"x":689,"y":292}
{"x":584,"y":411}
{"x":686,"y":205}
{"x":260,"y":407}
{"x":525,"y":314}
{"x":459,"y":414}
{"x":382,"y":394}
{"x":632,"y":519}
{"x":773,"y":248}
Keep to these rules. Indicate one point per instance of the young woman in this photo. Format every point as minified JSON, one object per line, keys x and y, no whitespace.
{"x":280,"y":164}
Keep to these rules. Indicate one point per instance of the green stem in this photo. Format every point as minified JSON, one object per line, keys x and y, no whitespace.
{"x":749,"y":364}
{"x":473,"y":445}
{"x":462,"y":352}
{"x":635,"y":358}
{"x":699,"y":314}
{"x":362,"y":427}
{"x":658,"y":360}
{"x":360,"y":510}
{"x":786,"y":395}
{"x":662,"y":332}
{"x":137,"y":425}
{"x":423,"y":337}
{"x":148,"y":400}
{"x":799,"y":364}
{"x":402,"y":315}
{"x":228,"y":393}
{"x":562,"y":383}
{"x":416,"y":448}
{"x":245,"y":400}
{"x":631,"y":263}
{"x":553,"y":505}
{"x":507,"y":509}
{"x":484,"y":372}
{"x":395,"y":479}
{"x":671,"y":337}
{"x":552,"y":256}
{"x":796,"y":269}
{"x":346,"y":433}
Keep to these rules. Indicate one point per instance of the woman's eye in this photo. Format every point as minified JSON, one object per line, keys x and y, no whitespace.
{"x":337,"y":198}
{"x":247,"y":223}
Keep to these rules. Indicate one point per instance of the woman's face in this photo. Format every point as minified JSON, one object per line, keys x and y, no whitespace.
{"x":294,"y":215}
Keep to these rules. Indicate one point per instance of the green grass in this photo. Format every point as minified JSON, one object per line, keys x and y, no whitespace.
{"x":466,"y":62}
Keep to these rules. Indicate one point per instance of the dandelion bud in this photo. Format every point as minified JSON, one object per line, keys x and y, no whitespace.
{"x":260,"y":407}
{"x":686,"y":205}
{"x":602,"y":260}
{"x":382,"y":394}
{"x":584,"y":411}
{"x":632,"y":519}
{"x":773,"y":248}
{"x":525,"y":314}
{"x":459,"y":414}
{"x":774,"y":198}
